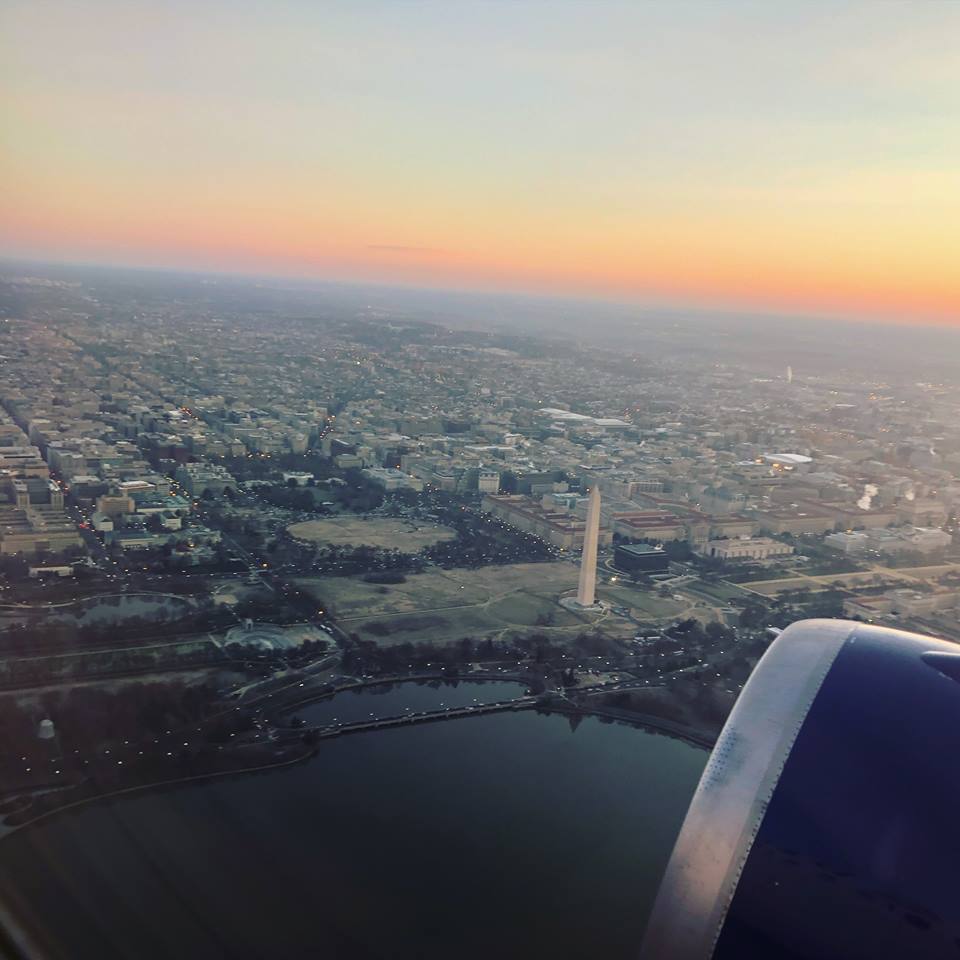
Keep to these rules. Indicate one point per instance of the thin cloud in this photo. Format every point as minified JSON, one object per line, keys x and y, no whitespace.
{"x":400,"y":248}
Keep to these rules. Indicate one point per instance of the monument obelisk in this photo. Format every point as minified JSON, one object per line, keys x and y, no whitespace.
{"x":586,"y":593}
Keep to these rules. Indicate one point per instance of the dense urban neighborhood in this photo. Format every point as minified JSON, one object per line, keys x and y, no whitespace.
{"x":219,"y":504}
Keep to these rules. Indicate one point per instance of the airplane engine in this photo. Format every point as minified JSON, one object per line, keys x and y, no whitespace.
{"x":826,"y":825}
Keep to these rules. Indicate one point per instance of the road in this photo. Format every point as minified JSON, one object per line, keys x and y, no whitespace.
{"x":91,"y":541}
{"x":427,"y":716}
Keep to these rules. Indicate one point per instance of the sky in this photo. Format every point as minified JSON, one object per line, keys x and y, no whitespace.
{"x":791,"y":157}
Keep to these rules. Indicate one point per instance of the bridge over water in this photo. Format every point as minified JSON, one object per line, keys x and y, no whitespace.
{"x":426,"y":716}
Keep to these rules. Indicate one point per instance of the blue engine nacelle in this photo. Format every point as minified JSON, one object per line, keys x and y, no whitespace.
{"x":826,"y":825}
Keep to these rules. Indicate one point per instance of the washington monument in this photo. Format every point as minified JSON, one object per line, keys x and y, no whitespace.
{"x":586,"y":594}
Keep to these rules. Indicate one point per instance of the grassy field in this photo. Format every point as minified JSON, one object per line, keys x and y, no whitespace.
{"x":928,"y":572}
{"x":890,"y":576}
{"x":772,"y":588}
{"x":383,"y":532}
{"x":444,"y":605}
{"x":500,"y":601}
{"x":644,"y":604}
{"x":350,"y":598}
{"x":721,"y":592}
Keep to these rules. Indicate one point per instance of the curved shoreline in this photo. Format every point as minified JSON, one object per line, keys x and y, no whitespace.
{"x":645,"y":721}
{"x":420,"y":679}
{"x":96,"y":596}
{"x":694,"y":736}
{"x":6,"y":830}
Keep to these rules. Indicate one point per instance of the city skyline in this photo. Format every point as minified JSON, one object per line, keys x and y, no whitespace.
{"x":657,"y":154}
{"x":268,"y":536}
{"x":442,"y":443}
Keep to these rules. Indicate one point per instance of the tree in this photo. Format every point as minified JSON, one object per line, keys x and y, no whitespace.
{"x":717,"y":632}
{"x":508,"y":482}
{"x":14,"y":567}
{"x":753,"y":615}
{"x":678,"y":550}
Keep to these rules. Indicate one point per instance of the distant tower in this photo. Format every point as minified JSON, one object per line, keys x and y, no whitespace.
{"x":789,"y":374}
{"x":586,"y":594}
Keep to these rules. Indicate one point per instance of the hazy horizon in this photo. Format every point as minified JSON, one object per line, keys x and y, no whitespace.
{"x":792,"y":160}
{"x":763,"y":343}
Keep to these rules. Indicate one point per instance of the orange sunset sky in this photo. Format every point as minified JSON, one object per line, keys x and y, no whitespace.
{"x":802,"y":158}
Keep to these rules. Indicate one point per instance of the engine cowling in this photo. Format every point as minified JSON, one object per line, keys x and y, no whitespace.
{"x":827,"y":820}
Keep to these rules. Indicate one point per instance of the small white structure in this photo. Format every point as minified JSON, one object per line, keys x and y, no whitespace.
{"x":51,"y":571}
{"x":302,"y":479}
{"x":787,"y":461}
{"x":46,"y":730}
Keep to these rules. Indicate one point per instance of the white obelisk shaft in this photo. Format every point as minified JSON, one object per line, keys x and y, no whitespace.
{"x":588,"y":562}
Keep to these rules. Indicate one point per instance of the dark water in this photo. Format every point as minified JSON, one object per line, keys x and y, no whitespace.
{"x":117,"y":609}
{"x":500,"y":836}
{"x":97,"y":612}
{"x":401,"y":698}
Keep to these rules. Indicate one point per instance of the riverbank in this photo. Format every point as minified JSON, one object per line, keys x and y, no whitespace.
{"x":373,"y":841}
{"x":696,"y":737}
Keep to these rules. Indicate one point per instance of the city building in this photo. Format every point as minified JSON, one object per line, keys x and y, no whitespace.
{"x":850,"y":542}
{"x":23,"y":461}
{"x":796,"y":521}
{"x":101,"y":522}
{"x":204,"y":478}
{"x":36,"y":530}
{"x":746,"y":548}
{"x":559,"y":528}
{"x":649,"y":525}
{"x":892,"y":541}
{"x":640,"y":558}
{"x":903,"y":603}
{"x":389,"y":479}
{"x":50,"y":570}
{"x":300,"y":478}
{"x":115,"y":505}
{"x":488,"y":481}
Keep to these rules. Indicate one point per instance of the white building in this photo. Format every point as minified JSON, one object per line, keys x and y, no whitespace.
{"x":390,"y":479}
{"x":929,"y":540}
{"x":926,"y":540}
{"x":488,"y":481}
{"x":58,"y":570}
{"x":302,"y":479}
{"x":746,"y":548}
{"x":856,"y":541}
